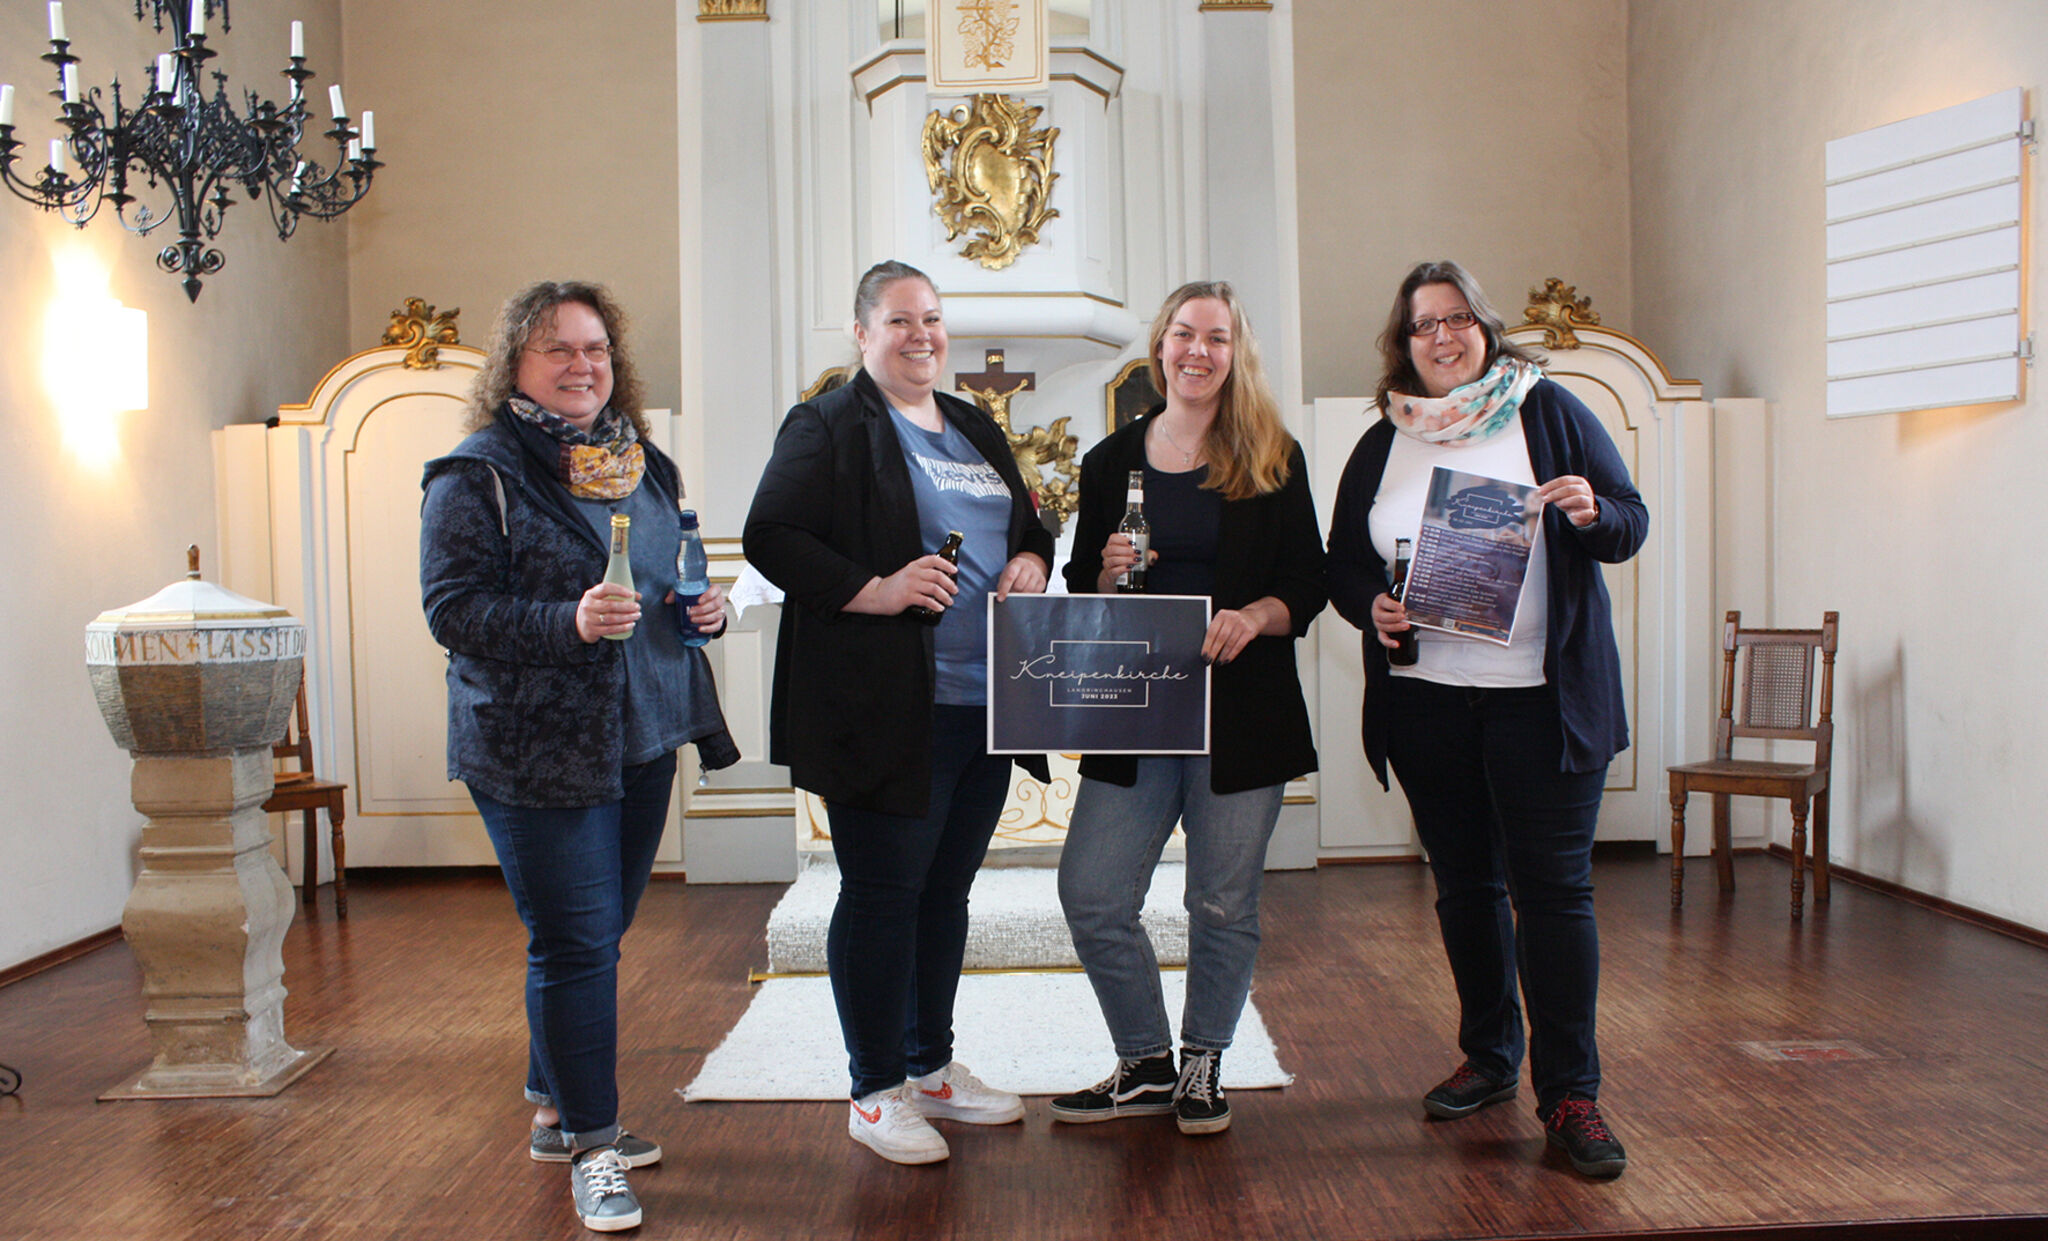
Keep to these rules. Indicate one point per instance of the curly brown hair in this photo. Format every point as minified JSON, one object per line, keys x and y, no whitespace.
{"x":532,"y":311}
{"x":1397,"y":365}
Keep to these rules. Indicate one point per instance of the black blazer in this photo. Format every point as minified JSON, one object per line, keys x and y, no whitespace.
{"x":851,"y":709}
{"x":1268,"y":545}
{"x":1579,"y":658}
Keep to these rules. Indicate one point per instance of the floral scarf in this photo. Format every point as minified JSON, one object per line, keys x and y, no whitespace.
{"x":1479,"y":410}
{"x":603,"y":463}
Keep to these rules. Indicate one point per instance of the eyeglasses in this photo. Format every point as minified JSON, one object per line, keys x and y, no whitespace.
{"x":563,"y":355}
{"x":1457,"y":321}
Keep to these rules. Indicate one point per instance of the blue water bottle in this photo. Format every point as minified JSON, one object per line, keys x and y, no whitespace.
{"x":693,"y":578}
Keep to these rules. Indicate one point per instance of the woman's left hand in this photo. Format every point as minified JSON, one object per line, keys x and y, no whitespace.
{"x":1025,"y":574}
{"x":1573,"y":497}
{"x":1232,"y":629}
{"x":708,"y":615}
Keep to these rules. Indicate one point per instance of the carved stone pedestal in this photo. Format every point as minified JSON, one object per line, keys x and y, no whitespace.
{"x":206,"y":923}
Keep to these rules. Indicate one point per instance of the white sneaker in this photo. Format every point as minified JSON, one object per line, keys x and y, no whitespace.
{"x":953,"y":1093}
{"x":888,"y":1123}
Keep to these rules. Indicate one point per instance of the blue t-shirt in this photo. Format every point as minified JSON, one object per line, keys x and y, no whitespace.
{"x":957,"y":489}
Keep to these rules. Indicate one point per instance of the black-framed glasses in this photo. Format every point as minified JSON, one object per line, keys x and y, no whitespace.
{"x":563,"y":355}
{"x":1457,"y":321}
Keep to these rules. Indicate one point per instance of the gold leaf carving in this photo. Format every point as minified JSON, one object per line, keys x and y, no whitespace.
{"x":1045,"y":456}
{"x":992,"y":173}
{"x":727,"y":10}
{"x":1557,"y":308}
{"x":422,"y":331}
{"x":988,"y":34}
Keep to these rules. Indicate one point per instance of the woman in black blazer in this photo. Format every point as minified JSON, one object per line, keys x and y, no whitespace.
{"x":885,"y":717}
{"x":1226,"y":494}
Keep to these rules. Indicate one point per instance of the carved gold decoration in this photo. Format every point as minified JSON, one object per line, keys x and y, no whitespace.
{"x":1255,"y":6}
{"x":732,"y":10}
{"x":829,"y":378}
{"x":423,"y":331}
{"x":988,"y":34}
{"x":1045,"y":456}
{"x":999,"y":179}
{"x":1557,"y":308}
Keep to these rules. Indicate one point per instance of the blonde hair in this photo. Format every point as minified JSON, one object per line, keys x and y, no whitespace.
{"x":1247,"y":445}
{"x":532,"y":309}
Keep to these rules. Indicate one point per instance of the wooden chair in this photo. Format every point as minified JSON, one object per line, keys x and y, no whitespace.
{"x":299,"y":789}
{"x":1777,"y":704}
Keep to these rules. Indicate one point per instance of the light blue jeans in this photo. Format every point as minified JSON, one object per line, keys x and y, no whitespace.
{"x":1106,"y":867}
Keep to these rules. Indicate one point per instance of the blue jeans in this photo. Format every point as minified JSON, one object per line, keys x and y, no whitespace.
{"x":1106,"y":866}
{"x":1510,"y":840}
{"x":576,"y":877}
{"x":899,"y":931}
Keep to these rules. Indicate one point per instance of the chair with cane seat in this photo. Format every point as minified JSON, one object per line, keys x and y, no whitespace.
{"x":1777,"y":674}
{"x":298,"y":789}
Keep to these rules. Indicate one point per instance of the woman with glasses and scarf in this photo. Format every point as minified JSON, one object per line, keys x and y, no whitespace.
{"x":1501,"y":751}
{"x":568,"y":695}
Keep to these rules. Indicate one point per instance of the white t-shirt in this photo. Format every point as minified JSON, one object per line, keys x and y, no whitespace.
{"x":1449,"y":658}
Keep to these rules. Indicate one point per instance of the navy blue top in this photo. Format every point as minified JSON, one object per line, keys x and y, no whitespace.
{"x":1186,"y":524}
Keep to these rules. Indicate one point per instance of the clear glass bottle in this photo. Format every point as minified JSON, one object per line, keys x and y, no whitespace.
{"x":693,"y":578}
{"x":1133,"y":527}
{"x":619,"y":569}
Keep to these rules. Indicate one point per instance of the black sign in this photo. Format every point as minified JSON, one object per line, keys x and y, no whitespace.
{"x":1098,"y":674}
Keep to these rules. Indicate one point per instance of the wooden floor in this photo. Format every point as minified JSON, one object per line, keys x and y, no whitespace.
{"x":415,"y":1128}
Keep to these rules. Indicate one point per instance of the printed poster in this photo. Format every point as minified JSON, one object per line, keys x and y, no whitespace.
{"x":1472,"y":555}
{"x":1098,"y":674}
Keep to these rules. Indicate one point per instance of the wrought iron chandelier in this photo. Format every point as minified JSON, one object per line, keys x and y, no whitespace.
{"x":196,"y":150}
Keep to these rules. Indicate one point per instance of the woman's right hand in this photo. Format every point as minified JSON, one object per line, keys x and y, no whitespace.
{"x":925,"y":582}
{"x":1389,"y":618}
{"x":606,"y":608}
{"x":1118,"y":555}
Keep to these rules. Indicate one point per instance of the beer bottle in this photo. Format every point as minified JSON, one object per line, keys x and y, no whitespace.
{"x":1133,"y":527}
{"x":949,"y":551}
{"x":619,"y":569}
{"x":1404,"y":654}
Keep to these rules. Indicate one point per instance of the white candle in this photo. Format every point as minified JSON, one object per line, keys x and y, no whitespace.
{"x":297,"y":173}
{"x":355,"y":151}
{"x":298,"y":40}
{"x":369,"y":131}
{"x":334,"y":102}
{"x":198,"y":19}
{"x":57,"y":160}
{"x":6,"y":105}
{"x":71,"y":84}
{"x":166,"y":74}
{"x":56,"y":22}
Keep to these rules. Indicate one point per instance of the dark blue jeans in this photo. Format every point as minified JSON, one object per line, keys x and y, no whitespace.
{"x":1510,"y":840}
{"x":576,"y":877}
{"x":899,"y":931}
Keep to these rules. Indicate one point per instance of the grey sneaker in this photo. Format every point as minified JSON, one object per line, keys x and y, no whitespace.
{"x":604,"y":1202}
{"x":549,"y":1146}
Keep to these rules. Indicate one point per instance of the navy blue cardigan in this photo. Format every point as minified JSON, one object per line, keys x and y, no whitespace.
{"x":1580,"y":658}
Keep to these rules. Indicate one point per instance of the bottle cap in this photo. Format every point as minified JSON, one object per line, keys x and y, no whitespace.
{"x":620,"y":521}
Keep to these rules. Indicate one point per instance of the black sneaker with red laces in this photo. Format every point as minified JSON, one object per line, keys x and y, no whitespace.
{"x":1575,"y":1127}
{"x":1465,"y":1092}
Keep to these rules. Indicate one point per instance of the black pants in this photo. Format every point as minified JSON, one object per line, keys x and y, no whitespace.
{"x":1510,"y":839}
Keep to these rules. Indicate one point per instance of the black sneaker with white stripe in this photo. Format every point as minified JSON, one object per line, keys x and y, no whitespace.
{"x":1198,"y":1102}
{"x":1137,"y":1088}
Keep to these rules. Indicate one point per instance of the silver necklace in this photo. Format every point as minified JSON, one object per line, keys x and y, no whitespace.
{"x":1186,"y":458}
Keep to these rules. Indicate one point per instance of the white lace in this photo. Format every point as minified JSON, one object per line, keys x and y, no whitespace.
{"x":604,"y":1173}
{"x":1197,"y":1077}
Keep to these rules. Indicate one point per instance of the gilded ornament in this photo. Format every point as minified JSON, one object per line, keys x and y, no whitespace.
{"x":998,"y":178}
{"x":988,"y":34}
{"x":1557,"y":309}
{"x":731,"y":10}
{"x":1045,"y":456}
{"x":422,"y":331}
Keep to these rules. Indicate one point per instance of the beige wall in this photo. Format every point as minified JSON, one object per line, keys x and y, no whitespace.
{"x":98,"y":529}
{"x":1913,"y":526}
{"x":527,"y":140}
{"x":1493,"y":134}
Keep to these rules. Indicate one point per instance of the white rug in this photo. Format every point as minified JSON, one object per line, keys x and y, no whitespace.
{"x":1014,"y":920}
{"x":1034,"y":1034}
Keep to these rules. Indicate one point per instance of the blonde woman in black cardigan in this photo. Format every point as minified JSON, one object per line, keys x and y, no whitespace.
{"x":1226,"y":492}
